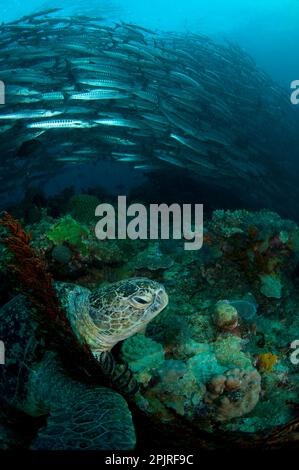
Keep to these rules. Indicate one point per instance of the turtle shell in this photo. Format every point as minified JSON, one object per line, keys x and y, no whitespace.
{"x":24,"y":349}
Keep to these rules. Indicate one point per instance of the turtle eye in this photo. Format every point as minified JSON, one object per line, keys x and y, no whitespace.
{"x":140,"y":301}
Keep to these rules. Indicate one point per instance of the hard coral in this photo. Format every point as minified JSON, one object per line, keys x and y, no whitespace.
{"x":225,"y":316}
{"x":233,"y":394}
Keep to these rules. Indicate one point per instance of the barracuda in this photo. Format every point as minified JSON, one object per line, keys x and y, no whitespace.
{"x":60,"y":124}
{"x":192,"y":144}
{"x":105,"y":83}
{"x":19,"y":91}
{"x":31,"y":114}
{"x":118,"y":140}
{"x":52,"y":96}
{"x":171,"y":97}
{"x":118,"y":123}
{"x":186,"y":79}
{"x":132,"y":159}
{"x":102,"y":71}
{"x":180,"y":123}
{"x":78,"y":48}
{"x":103,"y":94}
{"x":73,"y":159}
{"x":165,"y":157}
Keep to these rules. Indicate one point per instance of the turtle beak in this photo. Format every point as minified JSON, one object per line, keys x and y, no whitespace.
{"x":159,"y":303}
{"x":161,"y":299}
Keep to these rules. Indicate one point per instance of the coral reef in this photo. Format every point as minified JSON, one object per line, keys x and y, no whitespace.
{"x":218,"y":356}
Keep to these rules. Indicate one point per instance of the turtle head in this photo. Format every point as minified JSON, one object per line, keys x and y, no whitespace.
{"x":125,"y":308}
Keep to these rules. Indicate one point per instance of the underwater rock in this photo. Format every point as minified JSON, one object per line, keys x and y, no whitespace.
{"x":266,"y":224}
{"x":204,"y":365}
{"x":173,"y":331}
{"x":153,"y":259}
{"x":143,"y":354}
{"x":176,"y":389}
{"x":62,"y":254}
{"x":108,"y":252}
{"x":271,"y":286}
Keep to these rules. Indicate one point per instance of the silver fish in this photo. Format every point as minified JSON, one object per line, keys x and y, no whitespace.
{"x":60,"y":124}
{"x":98,"y":94}
{"x":105,"y":83}
{"x":118,"y":123}
{"x":38,"y":113}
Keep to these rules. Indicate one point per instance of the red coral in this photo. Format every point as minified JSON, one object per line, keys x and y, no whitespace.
{"x":30,"y":270}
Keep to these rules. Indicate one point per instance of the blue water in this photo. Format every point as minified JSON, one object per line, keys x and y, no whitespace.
{"x":267,"y":29}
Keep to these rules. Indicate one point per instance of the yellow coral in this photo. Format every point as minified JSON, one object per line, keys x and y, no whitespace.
{"x":267,"y":361}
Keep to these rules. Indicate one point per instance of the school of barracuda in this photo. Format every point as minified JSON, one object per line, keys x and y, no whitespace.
{"x":80,"y":90}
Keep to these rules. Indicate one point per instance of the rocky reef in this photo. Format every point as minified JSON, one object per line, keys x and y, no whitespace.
{"x":218,"y":357}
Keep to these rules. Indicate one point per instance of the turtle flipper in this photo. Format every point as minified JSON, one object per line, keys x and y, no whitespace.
{"x":98,"y":419}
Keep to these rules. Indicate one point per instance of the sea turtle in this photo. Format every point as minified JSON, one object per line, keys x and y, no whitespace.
{"x":34,"y":379}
